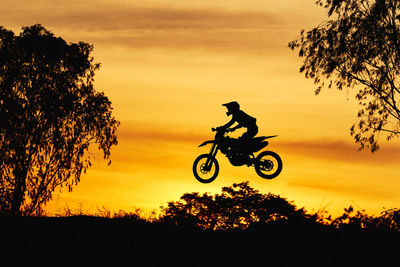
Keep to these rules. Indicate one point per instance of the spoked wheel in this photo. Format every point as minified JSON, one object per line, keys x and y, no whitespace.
{"x":268,"y":164}
{"x":205,"y":168}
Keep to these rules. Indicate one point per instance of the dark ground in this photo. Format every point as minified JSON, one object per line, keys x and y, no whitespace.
{"x":94,"y":241}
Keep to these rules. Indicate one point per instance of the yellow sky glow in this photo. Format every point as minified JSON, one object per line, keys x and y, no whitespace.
{"x":167,"y":66}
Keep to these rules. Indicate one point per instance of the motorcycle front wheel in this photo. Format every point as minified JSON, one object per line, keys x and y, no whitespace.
{"x":205,"y":168}
{"x":268,"y":164}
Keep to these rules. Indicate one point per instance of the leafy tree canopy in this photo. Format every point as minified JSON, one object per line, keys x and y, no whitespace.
{"x":237,"y":206}
{"x":358,"y":48}
{"x":50,"y":113}
{"x":240,"y":206}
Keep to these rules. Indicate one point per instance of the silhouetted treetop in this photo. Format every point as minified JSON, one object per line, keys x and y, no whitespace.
{"x":237,"y":206}
{"x":240,"y":206}
{"x":358,"y":47}
{"x":50,"y":113}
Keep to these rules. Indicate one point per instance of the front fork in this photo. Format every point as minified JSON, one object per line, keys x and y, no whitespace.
{"x":213,"y":153}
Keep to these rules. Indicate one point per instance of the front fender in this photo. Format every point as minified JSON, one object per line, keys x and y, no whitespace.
{"x":207,"y":142}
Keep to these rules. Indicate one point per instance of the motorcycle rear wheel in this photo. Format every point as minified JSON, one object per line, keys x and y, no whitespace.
{"x":201,"y":172}
{"x":268,"y":164}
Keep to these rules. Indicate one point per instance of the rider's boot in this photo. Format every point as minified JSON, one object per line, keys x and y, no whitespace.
{"x":244,"y":147}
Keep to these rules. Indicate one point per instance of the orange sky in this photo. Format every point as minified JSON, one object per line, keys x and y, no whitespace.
{"x":167,"y":66}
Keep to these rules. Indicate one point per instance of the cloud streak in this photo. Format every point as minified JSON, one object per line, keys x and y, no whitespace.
{"x":112,"y":16}
{"x":340,"y":151}
{"x":350,"y":187}
{"x":319,"y":149}
{"x":151,"y":135}
{"x":135,"y":26}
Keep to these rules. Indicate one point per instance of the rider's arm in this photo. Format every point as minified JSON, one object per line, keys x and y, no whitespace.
{"x":229,"y":124}
{"x":236,"y":127}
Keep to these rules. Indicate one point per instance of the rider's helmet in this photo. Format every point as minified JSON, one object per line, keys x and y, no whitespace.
{"x":232,"y":107}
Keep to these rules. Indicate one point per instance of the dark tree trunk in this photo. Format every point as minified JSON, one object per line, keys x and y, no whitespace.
{"x":20,"y":173}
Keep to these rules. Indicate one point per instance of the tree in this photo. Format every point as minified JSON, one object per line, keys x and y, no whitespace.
{"x":50,"y":114}
{"x":237,"y":207}
{"x":358,"y":47}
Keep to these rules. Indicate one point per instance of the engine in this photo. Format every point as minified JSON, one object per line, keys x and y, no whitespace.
{"x":237,"y":158}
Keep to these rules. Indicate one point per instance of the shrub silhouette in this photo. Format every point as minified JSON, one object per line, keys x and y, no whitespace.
{"x":237,"y":207}
{"x":276,"y":233}
{"x":240,"y":206}
{"x":388,"y":221}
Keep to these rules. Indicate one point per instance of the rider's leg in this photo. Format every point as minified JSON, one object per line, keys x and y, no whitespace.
{"x":244,"y":141}
{"x":249,"y":134}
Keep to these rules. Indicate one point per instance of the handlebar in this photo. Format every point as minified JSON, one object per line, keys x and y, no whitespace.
{"x":220,"y":129}
{"x":216,"y":129}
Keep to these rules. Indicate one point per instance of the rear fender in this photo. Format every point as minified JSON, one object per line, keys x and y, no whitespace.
{"x":271,"y":136}
{"x":207,"y":142}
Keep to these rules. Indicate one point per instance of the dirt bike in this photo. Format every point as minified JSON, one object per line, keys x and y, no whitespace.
{"x":267,"y":164}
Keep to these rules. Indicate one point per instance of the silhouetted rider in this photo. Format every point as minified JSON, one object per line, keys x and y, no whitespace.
{"x":242,"y":119}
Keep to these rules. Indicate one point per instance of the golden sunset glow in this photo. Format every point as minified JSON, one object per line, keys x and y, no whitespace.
{"x":167,"y":66}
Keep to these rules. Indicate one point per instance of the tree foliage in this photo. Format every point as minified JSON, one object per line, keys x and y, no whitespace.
{"x":388,"y":221}
{"x":50,"y":113}
{"x":358,"y":48}
{"x":240,"y":206}
{"x":237,"y":207}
